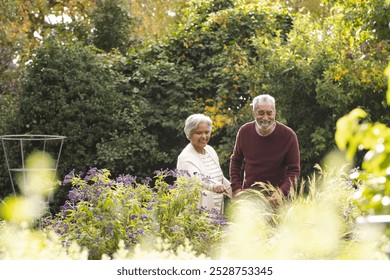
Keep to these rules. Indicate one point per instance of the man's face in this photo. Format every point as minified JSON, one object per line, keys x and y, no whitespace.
{"x":264,"y":116}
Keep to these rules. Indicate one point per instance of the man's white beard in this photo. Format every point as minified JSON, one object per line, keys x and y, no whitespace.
{"x":264,"y":125}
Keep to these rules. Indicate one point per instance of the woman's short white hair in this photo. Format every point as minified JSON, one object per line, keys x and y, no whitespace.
{"x":193,"y":121}
{"x":263,"y":99}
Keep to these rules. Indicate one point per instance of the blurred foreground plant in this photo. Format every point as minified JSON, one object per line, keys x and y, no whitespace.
{"x":317,"y":225}
{"x":21,"y":213}
{"x":36,"y":183}
{"x":21,"y":243}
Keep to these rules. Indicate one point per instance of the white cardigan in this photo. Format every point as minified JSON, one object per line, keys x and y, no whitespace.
{"x":190,"y":160}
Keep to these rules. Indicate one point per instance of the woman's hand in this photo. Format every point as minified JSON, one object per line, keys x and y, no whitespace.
{"x":219,"y":189}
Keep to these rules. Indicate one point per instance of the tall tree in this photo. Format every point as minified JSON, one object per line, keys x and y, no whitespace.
{"x":112,"y":26}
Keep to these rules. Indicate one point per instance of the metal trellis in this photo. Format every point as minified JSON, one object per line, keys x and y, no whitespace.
{"x":18,"y":147}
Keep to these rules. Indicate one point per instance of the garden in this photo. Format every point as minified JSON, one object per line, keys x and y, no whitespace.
{"x":116,"y":194}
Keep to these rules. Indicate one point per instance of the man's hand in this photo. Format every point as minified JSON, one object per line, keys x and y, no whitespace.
{"x":276,"y":199}
{"x":237,"y":193}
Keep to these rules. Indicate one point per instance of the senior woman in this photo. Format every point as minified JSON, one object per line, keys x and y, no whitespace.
{"x":200,"y":159}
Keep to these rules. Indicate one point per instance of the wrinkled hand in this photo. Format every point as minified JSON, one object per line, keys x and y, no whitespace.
{"x":219,"y":189}
{"x":276,"y":199}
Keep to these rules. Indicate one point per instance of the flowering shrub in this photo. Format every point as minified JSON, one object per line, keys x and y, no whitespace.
{"x":100,"y":212}
{"x":160,"y":219}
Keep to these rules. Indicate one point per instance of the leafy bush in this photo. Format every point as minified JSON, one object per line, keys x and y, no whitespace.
{"x":101,"y":212}
{"x":372,"y":179}
{"x":73,"y":90}
{"x":354,"y":135}
{"x":112,"y":26}
{"x":204,"y":65}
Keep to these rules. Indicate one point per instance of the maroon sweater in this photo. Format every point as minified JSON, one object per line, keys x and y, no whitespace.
{"x":273,"y":159}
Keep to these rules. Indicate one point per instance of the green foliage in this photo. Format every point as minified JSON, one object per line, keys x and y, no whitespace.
{"x":220,"y":56}
{"x":387,"y":73}
{"x":66,"y":90}
{"x":354,"y":133}
{"x":370,"y":15}
{"x":314,"y":84}
{"x":204,"y":65}
{"x":72,"y":90}
{"x":113,"y":26}
{"x":101,"y":212}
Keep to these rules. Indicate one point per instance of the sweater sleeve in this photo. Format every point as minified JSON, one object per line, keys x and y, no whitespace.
{"x":225,"y":182}
{"x":292,"y":161}
{"x":236,"y":164}
{"x":185,"y":163}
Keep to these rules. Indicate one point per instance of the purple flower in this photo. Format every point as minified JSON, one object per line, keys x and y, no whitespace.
{"x":110,"y":229}
{"x":173,"y":186}
{"x":147,"y":180}
{"x":68,"y":178}
{"x":92,"y":172}
{"x":126,"y":180}
{"x":203,"y":193}
{"x":60,"y":228}
{"x":133,"y":216}
{"x":109,"y":184}
{"x":161,"y":172}
{"x":179,"y":172}
{"x":134,"y":235}
{"x":220,"y":222}
{"x":100,"y":217}
{"x":175,"y":228}
{"x":67,"y":205}
{"x":74,"y":195}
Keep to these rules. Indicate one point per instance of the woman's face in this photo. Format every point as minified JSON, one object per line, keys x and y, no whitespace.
{"x":200,"y":137}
